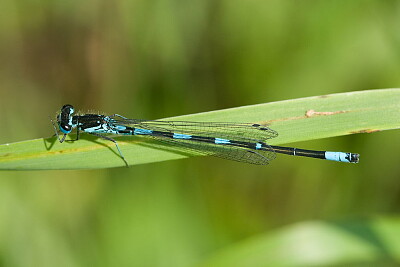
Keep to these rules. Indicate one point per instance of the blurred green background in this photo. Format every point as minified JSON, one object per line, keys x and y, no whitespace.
{"x":162,"y":58}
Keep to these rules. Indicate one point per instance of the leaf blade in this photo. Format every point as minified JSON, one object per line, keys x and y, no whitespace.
{"x":295,"y":120}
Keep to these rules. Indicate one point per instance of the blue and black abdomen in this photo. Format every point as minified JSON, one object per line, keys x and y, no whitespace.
{"x":245,"y":151}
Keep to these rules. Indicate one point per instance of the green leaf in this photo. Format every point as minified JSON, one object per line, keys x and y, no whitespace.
{"x":295,"y":120}
{"x":372,"y":242}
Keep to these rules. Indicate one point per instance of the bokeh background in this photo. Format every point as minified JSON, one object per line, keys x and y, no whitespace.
{"x":163,"y":58}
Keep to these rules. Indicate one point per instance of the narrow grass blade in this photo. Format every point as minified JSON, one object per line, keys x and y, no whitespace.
{"x":295,"y":120}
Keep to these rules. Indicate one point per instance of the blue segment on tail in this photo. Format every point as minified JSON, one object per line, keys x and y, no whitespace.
{"x":138,"y":131}
{"x":181,"y":136}
{"x":337,"y":156}
{"x":222,"y":141}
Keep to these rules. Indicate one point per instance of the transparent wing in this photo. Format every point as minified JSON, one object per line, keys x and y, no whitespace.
{"x":245,"y":131}
{"x":236,"y":153}
{"x":240,"y":132}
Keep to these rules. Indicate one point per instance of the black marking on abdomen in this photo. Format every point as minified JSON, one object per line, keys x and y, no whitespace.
{"x":203,"y":139}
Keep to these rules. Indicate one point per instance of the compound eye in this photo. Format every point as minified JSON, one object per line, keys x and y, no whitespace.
{"x":65,"y":128}
{"x":69,"y":109}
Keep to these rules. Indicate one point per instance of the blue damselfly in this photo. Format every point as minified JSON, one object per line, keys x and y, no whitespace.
{"x":244,"y":142}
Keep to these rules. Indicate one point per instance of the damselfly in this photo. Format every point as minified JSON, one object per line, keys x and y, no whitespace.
{"x":244,"y":142}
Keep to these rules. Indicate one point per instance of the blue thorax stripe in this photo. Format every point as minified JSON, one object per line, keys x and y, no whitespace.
{"x":120,"y":127}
